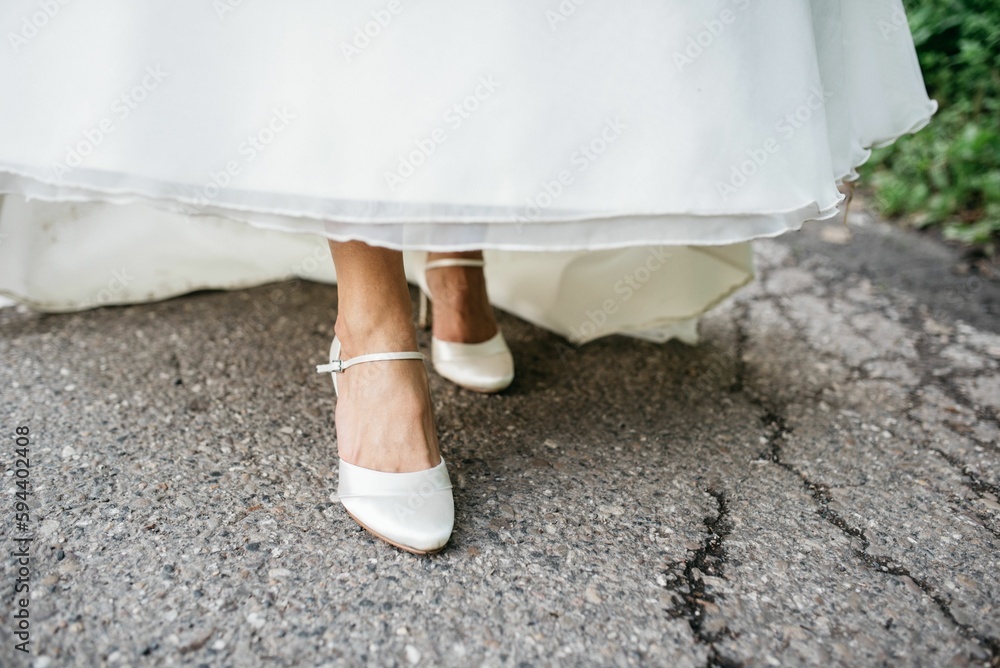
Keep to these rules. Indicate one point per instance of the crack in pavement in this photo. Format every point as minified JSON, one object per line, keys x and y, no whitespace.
{"x":976,"y":483}
{"x":978,"y":486}
{"x":956,"y":394}
{"x":945,"y":382}
{"x":822,"y":496}
{"x":774,"y":419}
{"x":973,"y":482}
{"x":709,"y":560}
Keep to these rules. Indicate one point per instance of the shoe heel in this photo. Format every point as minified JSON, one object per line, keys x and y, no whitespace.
{"x":423,"y":316}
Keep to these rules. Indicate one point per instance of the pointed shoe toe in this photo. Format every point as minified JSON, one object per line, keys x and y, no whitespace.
{"x":413,"y":511}
{"x":481,"y":367}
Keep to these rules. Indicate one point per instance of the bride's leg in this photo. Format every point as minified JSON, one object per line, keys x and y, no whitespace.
{"x":384,"y":415}
{"x":462,"y":311}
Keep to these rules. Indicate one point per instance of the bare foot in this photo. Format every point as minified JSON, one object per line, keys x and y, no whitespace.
{"x":384,"y":415}
{"x":462,"y":310}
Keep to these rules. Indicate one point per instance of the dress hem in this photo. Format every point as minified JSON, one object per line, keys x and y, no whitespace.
{"x":486,"y":232}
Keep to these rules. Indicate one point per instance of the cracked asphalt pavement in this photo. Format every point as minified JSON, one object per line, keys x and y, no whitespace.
{"x":817,"y":483}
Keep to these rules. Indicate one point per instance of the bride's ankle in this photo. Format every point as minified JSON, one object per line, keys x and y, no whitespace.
{"x":363,"y":335}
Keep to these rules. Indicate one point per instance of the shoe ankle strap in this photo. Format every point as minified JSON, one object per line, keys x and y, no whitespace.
{"x":454,"y":262}
{"x":339,"y":366}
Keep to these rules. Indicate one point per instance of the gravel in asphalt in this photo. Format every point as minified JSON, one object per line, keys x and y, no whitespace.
{"x":817,"y":483}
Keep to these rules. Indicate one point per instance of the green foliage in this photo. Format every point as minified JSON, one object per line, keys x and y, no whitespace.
{"x":948,"y":174}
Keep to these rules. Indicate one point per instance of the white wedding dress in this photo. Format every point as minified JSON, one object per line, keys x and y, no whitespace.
{"x":614,"y":160}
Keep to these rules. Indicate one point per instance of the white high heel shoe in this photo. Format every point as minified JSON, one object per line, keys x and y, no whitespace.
{"x":413,"y":511}
{"x":481,"y":367}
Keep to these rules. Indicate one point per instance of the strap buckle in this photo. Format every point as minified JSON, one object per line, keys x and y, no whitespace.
{"x":334,"y":366}
{"x":338,"y":365}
